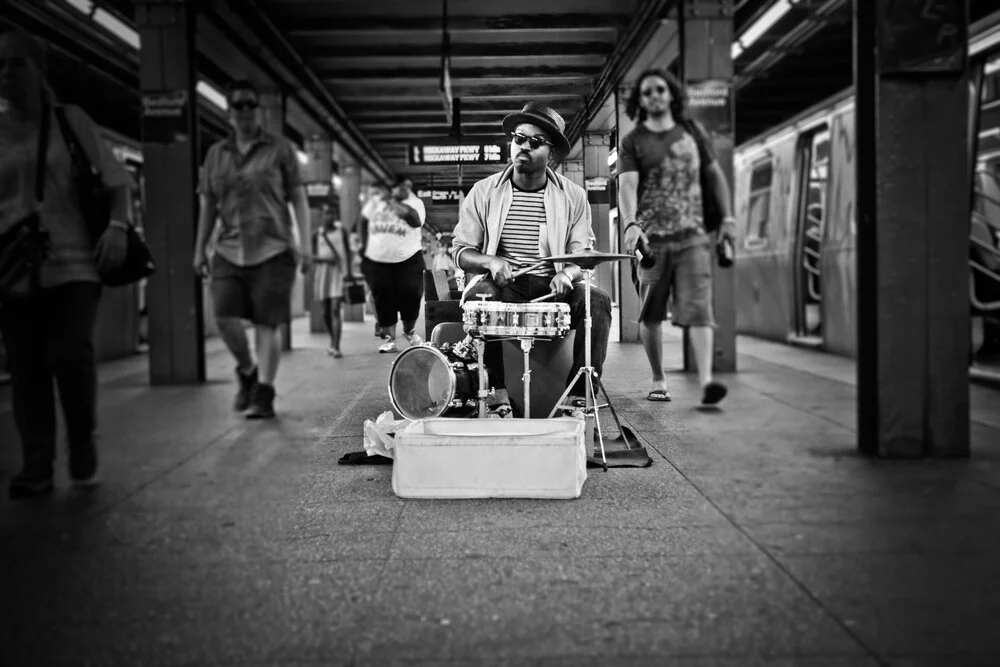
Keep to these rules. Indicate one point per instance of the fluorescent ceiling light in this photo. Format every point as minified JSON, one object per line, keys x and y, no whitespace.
{"x":210,"y":93}
{"x":985,"y":42}
{"x":117,"y":28}
{"x":764,"y":23}
{"x":613,"y":156}
{"x":303,"y":157}
{"x":81,"y":5}
{"x":992,"y":66}
{"x":735,"y":50}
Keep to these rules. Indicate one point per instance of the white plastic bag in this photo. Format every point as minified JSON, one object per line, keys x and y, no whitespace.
{"x":379,"y":434}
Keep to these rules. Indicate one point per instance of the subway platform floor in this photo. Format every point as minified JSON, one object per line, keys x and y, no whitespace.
{"x":758,"y":537}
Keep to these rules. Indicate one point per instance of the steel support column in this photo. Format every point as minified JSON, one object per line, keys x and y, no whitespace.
{"x":318,"y":177}
{"x":628,"y":298}
{"x":350,"y":210}
{"x":596,"y":148}
{"x":272,"y":114}
{"x":912,"y":227}
{"x":170,"y":147}
{"x":573,"y":170}
{"x":707,"y":37}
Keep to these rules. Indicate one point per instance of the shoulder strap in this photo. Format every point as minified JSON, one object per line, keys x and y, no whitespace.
{"x":42,"y":153}
{"x":76,"y":150}
{"x":330,"y":245}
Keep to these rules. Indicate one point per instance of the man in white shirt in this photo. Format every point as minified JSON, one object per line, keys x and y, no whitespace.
{"x":394,"y":262}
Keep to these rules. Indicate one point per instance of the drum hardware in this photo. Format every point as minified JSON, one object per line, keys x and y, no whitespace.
{"x":478,"y":324}
{"x":588,"y":261}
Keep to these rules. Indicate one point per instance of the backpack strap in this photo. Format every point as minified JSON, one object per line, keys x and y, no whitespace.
{"x":42,"y":153}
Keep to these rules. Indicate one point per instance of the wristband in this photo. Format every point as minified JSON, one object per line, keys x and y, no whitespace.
{"x":631,"y":225}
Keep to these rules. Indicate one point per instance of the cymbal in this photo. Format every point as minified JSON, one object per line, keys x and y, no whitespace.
{"x":588,"y":259}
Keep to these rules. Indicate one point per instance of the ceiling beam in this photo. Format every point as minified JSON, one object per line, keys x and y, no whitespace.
{"x":497,"y":62}
{"x":408,"y":88}
{"x":459,"y":50}
{"x":332,"y":25}
{"x":362,"y":116}
{"x":458,"y":75}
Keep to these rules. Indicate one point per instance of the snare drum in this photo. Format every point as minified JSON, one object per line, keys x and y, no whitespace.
{"x":427,"y":382}
{"x":496,"y":318}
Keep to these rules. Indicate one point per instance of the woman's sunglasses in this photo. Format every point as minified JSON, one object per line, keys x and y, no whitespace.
{"x":659,"y":90}
{"x":533,"y":142}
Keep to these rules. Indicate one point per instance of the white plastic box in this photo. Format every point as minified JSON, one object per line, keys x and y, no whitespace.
{"x":490,"y":458}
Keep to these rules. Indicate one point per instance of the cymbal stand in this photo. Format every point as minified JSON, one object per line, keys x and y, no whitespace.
{"x":588,"y":374}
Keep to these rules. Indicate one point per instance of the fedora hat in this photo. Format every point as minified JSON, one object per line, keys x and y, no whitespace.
{"x":544,"y":117}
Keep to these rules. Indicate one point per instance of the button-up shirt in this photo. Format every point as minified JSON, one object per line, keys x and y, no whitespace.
{"x":253,"y":191}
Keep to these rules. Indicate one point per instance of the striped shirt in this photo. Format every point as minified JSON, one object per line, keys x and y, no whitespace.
{"x":519,"y":239}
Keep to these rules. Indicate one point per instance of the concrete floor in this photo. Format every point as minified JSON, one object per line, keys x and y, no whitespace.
{"x":758,"y":536}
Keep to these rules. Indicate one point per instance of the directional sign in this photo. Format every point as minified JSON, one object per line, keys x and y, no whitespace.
{"x":429,"y":153}
{"x":440,"y":195}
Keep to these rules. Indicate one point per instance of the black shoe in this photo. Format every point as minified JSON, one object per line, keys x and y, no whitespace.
{"x":245,"y":394}
{"x":83,"y":463}
{"x":25,"y":485}
{"x":262,"y":402}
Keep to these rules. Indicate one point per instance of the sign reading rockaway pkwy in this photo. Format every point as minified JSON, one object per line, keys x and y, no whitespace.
{"x":423,"y":153}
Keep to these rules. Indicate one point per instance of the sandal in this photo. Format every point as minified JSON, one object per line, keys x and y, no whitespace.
{"x":659,"y":396}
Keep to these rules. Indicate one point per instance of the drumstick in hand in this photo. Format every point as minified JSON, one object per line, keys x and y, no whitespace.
{"x":543,"y":298}
{"x":521,"y":272}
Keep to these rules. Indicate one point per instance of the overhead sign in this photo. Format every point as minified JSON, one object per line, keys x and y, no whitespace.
{"x":430,"y":153}
{"x":440,"y":195}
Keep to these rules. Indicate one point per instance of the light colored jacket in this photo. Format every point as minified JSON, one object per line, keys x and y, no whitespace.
{"x":484,"y":211}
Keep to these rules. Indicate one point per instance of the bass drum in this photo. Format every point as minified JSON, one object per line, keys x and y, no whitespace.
{"x":426,"y":382}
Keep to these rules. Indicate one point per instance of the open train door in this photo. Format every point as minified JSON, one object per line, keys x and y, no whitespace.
{"x":810,"y":227}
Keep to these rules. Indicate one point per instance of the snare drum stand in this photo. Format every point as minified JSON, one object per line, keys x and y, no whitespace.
{"x":587,"y":372}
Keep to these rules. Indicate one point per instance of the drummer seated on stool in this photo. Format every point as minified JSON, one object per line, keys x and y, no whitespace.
{"x":512,"y":219}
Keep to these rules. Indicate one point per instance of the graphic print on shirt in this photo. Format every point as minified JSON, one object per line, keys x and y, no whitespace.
{"x":385,"y":221}
{"x":670,"y":200}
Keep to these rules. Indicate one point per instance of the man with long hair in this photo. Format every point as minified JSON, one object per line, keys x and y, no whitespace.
{"x":660,"y":207}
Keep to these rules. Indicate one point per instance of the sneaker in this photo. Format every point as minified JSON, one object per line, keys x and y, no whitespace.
{"x":27,"y":485}
{"x":83,"y":464}
{"x":388,"y":346}
{"x":262,"y":402}
{"x":413,"y":339}
{"x":247,"y":383}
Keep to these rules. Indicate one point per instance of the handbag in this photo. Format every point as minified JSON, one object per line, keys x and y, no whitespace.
{"x":354,"y":291}
{"x":25,"y":246}
{"x":95,"y":205}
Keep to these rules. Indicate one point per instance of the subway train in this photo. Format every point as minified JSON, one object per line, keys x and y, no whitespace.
{"x":794,"y":198}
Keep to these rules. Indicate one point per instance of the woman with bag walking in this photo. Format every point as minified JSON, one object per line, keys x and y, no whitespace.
{"x":333,"y":266}
{"x":49,"y":308}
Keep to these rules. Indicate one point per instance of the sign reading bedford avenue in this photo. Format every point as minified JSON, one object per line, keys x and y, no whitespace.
{"x":441,"y":152}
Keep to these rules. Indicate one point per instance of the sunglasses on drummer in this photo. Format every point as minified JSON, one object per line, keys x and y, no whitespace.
{"x":533,"y":142}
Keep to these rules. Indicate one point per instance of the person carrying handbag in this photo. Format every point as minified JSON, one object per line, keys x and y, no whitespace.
{"x":48,"y":313}
{"x":332,"y":268}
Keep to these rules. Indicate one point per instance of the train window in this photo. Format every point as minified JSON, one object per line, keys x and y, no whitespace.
{"x":759,"y":205}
